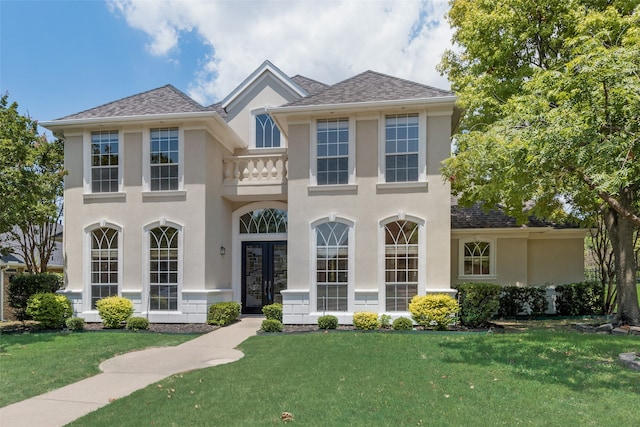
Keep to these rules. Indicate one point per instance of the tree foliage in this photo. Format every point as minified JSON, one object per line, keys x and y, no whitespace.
{"x":551,"y":92}
{"x":31,"y":184}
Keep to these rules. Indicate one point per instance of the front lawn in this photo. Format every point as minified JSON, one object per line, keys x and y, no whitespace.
{"x":539,"y":377}
{"x":35,"y":363}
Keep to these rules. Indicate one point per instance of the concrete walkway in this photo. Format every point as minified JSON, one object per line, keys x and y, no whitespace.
{"x":124,"y":374}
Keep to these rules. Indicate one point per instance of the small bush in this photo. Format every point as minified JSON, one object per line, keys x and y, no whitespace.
{"x":327,"y":322}
{"x":402,"y":324}
{"x":223,"y":313}
{"x":584,"y":298}
{"x":137,"y":324}
{"x":114,"y":310}
{"x":49,"y":309}
{"x":22,"y":286}
{"x":436,"y":310}
{"x":75,"y":324}
{"x":385,"y":321}
{"x":273,"y":311}
{"x":271,"y":325}
{"x":366,"y":320}
{"x":479,"y":302}
{"x":515,"y":300}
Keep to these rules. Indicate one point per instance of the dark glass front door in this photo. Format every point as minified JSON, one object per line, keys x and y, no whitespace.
{"x":264,"y":274}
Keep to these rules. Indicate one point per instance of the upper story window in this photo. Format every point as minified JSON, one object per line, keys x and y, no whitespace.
{"x":477,"y":258}
{"x":332,"y":145}
{"x":402,"y":148}
{"x":267,"y":133}
{"x":164,"y":159}
{"x":105,"y":160}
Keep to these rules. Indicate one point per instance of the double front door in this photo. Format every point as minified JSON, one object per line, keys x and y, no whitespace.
{"x":264,"y":274}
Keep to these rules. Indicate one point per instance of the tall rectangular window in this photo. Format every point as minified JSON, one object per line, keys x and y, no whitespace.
{"x":104,"y":264}
{"x":163,"y":268}
{"x":267,"y":133}
{"x":104,"y":162}
{"x":332,"y":266}
{"x":164,"y":159}
{"x":332,"y":151}
{"x":401,"y":147}
{"x":401,"y":264}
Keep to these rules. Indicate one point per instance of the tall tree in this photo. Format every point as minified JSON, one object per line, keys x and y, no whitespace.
{"x":551,"y":92}
{"x":31,"y":185}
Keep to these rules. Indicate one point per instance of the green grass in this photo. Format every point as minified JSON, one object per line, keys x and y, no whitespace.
{"x":540,"y":377}
{"x":34,"y":363}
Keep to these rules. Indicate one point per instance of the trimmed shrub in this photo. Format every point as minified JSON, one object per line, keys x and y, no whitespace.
{"x":114,"y":310}
{"x":271,"y":325}
{"x":223,"y":313}
{"x":438,"y":310}
{"x":49,"y":309}
{"x":273,"y":311}
{"x":402,"y":324}
{"x":137,"y":324}
{"x":75,"y":324}
{"x":584,"y":298}
{"x":479,"y":302}
{"x":366,"y":320}
{"x":22,"y":286}
{"x":385,"y":321}
{"x":515,"y":300}
{"x":327,"y":322}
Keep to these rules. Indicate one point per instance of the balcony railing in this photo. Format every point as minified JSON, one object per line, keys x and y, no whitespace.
{"x":255,"y":174}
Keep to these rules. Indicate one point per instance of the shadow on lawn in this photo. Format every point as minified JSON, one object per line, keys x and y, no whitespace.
{"x":586,"y":363}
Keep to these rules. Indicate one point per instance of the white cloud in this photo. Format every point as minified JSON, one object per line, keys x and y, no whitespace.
{"x":325,"y":40}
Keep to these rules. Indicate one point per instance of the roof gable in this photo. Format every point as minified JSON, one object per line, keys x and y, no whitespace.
{"x":371,"y":86}
{"x":163,"y":100}
{"x":262,"y":72}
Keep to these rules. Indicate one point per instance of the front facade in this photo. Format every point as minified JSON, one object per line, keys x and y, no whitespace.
{"x":327,"y":199}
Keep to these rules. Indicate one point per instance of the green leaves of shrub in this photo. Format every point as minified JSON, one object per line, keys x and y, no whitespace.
{"x":402,"y":324}
{"x":75,"y":324}
{"x":479,"y":302}
{"x":223,"y":313}
{"x":51,"y":310}
{"x":271,"y":325}
{"x":114,"y":310}
{"x":436,"y":310}
{"x":366,"y":320}
{"x":137,"y":324}
{"x":273,"y":311}
{"x":327,"y":322}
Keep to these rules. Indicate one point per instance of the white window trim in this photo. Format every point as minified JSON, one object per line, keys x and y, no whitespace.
{"x":86,"y":162}
{"x":492,"y":258}
{"x":422,"y":150}
{"x":422,"y":258}
{"x":252,"y":142}
{"x":86,"y":300}
{"x":313,"y":246}
{"x":313,"y":153}
{"x":162,"y":222}
{"x":146,"y":161}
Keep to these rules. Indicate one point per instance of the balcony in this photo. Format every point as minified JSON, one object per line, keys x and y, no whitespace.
{"x":256,"y":177}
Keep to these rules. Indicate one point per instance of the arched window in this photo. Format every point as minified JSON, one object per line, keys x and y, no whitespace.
{"x":477,"y":257}
{"x":104,"y":264}
{"x":163,"y":268}
{"x":401,"y":264}
{"x":267,"y":133}
{"x":332,"y":266}
{"x":267,"y":220}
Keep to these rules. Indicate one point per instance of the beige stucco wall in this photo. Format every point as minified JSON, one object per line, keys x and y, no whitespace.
{"x":368,"y":205}
{"x":524,"y":258}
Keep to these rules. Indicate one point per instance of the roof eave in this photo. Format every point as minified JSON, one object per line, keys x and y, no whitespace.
{"x":367,"y":105}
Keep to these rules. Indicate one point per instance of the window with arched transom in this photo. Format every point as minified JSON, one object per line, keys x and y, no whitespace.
{"x":401,"y":240}
{"x":260,"y":221}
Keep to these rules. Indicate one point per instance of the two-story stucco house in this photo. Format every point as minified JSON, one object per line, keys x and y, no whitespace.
{"x":328,"y":199}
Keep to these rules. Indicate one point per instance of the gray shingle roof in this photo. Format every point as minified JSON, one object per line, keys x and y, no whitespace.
{"x":309,"y":85}
{"x":477,"y":216}
{"x":371,"y":86}
{"x":163,"y":100}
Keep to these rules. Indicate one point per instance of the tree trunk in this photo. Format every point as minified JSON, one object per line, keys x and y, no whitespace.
{"x":621,"y":235}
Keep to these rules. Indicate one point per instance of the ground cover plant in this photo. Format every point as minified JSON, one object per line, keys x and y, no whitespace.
{"x":538,"y":377}
{"x":35,"y":363}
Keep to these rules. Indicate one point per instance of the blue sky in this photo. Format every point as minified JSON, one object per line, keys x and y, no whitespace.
{"x":60,"y":57}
